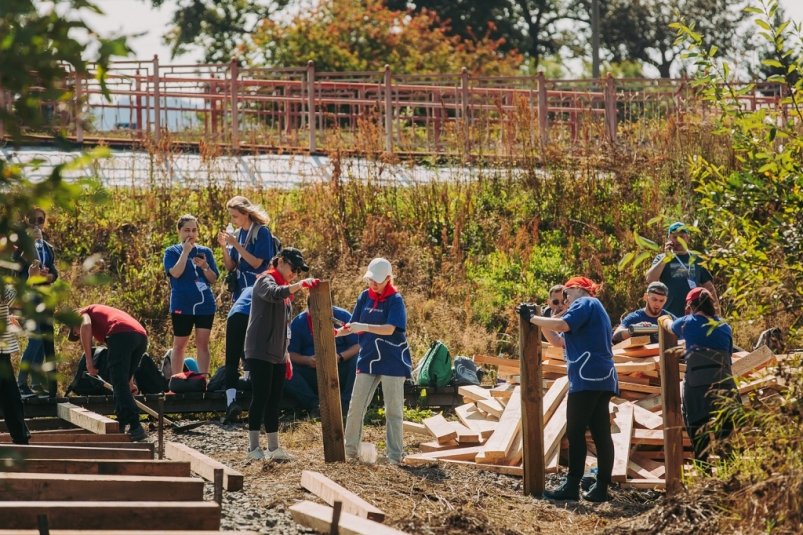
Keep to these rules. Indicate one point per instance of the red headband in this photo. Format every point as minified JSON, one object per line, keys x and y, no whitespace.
{"x":696,"y":294}
{"x":583,"y":282}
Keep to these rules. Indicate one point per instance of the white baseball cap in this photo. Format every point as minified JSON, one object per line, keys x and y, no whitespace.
{"x":378,"y":270}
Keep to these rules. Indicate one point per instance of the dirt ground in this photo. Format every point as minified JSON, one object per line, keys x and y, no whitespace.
{"x":426,"y":500}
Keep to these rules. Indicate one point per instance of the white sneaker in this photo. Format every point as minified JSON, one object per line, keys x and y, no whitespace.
{"x":255,"y":455}
{"x":279,"y":455}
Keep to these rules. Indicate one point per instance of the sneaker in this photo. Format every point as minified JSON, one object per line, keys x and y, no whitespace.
{"x":255,"y":455}
{"x":233,"y":412}
{"x":137,"y":434}
{"x":26,"y":392}
{"x":279,"y":455}
{"x":569,"y":490}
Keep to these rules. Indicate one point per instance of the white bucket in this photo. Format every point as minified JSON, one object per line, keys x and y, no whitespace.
{"x":367,"y":453}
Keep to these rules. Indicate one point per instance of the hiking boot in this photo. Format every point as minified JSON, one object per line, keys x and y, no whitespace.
{"x":137,"y":434}
{"x":598,"y":493}
{"x":255,"y":455}
{"x":26,"y":392}
{"x":233,"y":412}
{"x":570,"y":490}
{"x":279,"y":455}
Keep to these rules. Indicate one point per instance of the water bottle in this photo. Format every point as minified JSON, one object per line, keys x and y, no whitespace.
{"x":230,"y":228}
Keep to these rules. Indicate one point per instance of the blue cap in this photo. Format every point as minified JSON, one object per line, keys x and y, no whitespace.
{"x":190,"y":365}
{"x":676,"y":226}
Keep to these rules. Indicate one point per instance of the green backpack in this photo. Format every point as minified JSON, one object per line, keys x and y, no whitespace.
{"x":436,"y":366}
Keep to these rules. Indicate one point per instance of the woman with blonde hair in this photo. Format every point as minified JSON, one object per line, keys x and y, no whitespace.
{"x":249,"y":247}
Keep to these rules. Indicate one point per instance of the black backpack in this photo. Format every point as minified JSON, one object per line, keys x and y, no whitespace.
{"x":148,"y":376}
{"x":86,"y":386}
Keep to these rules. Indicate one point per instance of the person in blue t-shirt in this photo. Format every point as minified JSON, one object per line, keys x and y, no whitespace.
{"x":584,"y":331}
{"x":236,"y":325}
{"x":249,"y":248}
{"x":192,"y":271}
{"x":380,"y":321}
{"x":303,"y":386}
{"x":709,"y":379}
{"x":654,"y":299}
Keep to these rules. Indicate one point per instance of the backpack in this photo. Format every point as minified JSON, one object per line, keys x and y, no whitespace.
{"x":148,"y":376}
{"x":436,"y":366}
{"x":465,"y":372}
{"x":185,"y":382}
{"x":85,"y":386}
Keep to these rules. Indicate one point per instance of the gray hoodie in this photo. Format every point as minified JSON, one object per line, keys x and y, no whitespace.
{"x":266,"y":337}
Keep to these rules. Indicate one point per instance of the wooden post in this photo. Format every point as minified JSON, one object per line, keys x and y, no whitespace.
{"x":218,"y":475}
{"x":320,"y":308}
{"x":610,"y":108}
{"x":157,"y":101}
{"x":79,"y":94}
{"x":311,"y":105}
{"x":161,"y":426}
{"x":673,"y":420}
{"x":235,"y":118}
{"x":532,"y":408}
{"x":44,"y":529}
{"x":543,"y":110}
{"x":388,"y":111}
{"x":336,"y":510}
{"x":138,"y":100}
{"x":464,"y":109}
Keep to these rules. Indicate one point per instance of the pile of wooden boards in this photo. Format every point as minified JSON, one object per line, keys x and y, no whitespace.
{"x":80,"y":473}
{"x":487,"y":433}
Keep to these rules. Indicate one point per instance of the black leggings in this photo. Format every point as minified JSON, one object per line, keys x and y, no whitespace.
{"x":267,"y":382}
{"x":236,"y":326}
{"x":589,"y":410}
{"x":11,"y":402}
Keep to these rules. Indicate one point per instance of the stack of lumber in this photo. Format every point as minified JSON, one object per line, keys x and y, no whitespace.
{"x":487,"y":433}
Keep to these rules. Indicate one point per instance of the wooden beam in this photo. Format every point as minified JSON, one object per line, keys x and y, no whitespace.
{"x":130,"y":515}
{"x":442,"y":430}
{"x":320,"y":309}
{"x":643,"y":417}
{"x":319,"y":518}
{"x":755,"y":360}
{"x":471,"y":418}
{"x":555,"y":429}
{"x":474,"y":392}
{"x":621,"y":441}
{"x":491,"y":406}
{"x":122,"y":532}
{"x":500,"y":444}
{"x":636,"y":387}
{"x":330,"y":492}
{"x":462,"y":454}
{"x":416,"y":428}
{"x":496,"y":361}
{"x":87,"y":419}
{"x":203,"y":465}
{"x":673,"y":419}
{"x":148,"y":446}
{"x":644,"y":484}
{"x":64,"y":452}
{"x":466,"y":435}
{"x":41,"y":424}
{"x":554,"y":396}
{"x":633,"y":341}
{"x":119,"y":467}
{"x":83,"y":487}
{"x":434,"y":445}
{"x":51,"y":438}
{"x":652,"y":403}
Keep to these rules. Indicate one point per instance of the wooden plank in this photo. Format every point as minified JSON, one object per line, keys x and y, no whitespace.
{"x":554,"y":397}
{"x":555,"y":429}
{"x":86,"y":419}
{"x":474,"y":392}
{"x":64,"y":452}
{"x":496,"y":361}
{"x":621,"y":441}
{"x":758,"y":384}
{"x":97,"y":515}
{"x":120,"y":467}
{"x":673,"y":419}
{"x":633,"y":341}
{"x":499,"y":444}
{"x":495,"y":468}
{"x":463,"y":454}
{"x":319,"y":518}
{"x":434,"y":445}
{"x":652,"y":403}
{"x":122,"y":532}
{"x":442,"y":430}
{"x":416,"y":428}
{"x":320,"y":310}
{"x":330,"y":492}
{"x":41,"y":424}
{"x":502,"y":392}
{"x":644,"y":484}
{"x":649,"y":364}
{"x":473,"y":419}
{"x":635,"y":387}
{"x":466,"y":435}
{"x":548,"y":351}
{"x":636,"y":471}
{"x":83,"y":487}
{"x":491,"y":406}
{"x":645,"y":418}
{"x":755,"y":360}
{"x":149,"y":446}
{"x":203,"y":465}
{"x":50,"y":438}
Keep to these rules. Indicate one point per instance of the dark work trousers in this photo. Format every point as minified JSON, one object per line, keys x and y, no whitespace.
{"x":267,"y":382}
{"x":125,"y":352}
{"x":235,"y":341}
{"x":589,"y":410}
{"x":11,"y":402}
{"x":700,"y":405}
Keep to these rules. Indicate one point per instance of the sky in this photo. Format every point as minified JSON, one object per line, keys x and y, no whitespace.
{"x":138,"y":17}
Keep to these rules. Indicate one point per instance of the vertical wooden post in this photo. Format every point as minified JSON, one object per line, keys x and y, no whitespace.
{"x":464,"y":109}
{"x":673,"y":420}
{"x":543,"y":110}
{"x":138,"y":100}
{"x":532,"y":408}
{"x":610,"y":108}
{"x":157,"y":101}
{"x":234,"y":72}
{"x":218,"y":485}
{"x":388,"y":111}
{"x":79,"y":95}
{"x":311,"y":105}
{"x":334,"y":527}
{"x":161,"y":427}
{"x":320,"y":308}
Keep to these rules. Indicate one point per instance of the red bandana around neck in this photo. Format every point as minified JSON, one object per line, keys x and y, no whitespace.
{"x":273,"y":272}
{"x":389,"y":291}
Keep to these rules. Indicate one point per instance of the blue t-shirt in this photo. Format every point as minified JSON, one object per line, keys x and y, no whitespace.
{"x":641,"y":316}
{"x":261,"y":247}
{"x":680,"y":275}
{"x":243,"y":303}
{"x":190,"y":293}
{"x":589,"y":357}
{"x":301,"y":335}
{"x":698,"y":333}
{"x":383,"y":355}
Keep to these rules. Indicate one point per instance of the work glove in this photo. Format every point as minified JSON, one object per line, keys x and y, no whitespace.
{"x":288,"y":369}
{"x":310,"y":283}
{"x":526,"y":311}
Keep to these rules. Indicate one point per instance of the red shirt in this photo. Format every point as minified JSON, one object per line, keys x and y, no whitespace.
{"x":108,"y":320}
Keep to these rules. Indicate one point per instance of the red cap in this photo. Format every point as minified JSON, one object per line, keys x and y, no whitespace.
{"x":582,"y":282}
{"x":697,"y":293}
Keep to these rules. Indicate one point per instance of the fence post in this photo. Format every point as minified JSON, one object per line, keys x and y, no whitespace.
{"x":464,"y":108}
{"x":388,"y":111}
{"x":670,"y":396}
{"x":157,"y":101}
{"x":2,"y":108}
{"x":234,"y":72}
{"x":311,"y":105}
{"x":138,"y":89}
{"x":532,"y":408}
{"x":543,"y":110}
{"x":79,"y":127}
{"x":610,"y":107}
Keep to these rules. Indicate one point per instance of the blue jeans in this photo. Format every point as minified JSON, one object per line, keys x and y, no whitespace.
{"x":393,"y":392}
{"x":32,"y":360}
{"x":303,"y":387}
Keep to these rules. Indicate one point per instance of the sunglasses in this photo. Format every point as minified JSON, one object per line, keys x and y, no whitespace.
{"x":39,"y":220}
{"x":556,"y":302}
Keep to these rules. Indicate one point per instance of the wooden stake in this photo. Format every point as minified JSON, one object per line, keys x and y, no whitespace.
{"x":219,"y":486}
{"x":532,"y":408}
{"x":336,"y":508}
{"x":161,"y":428}
{"x":320,"y":308}
{"x":673,"y":421}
